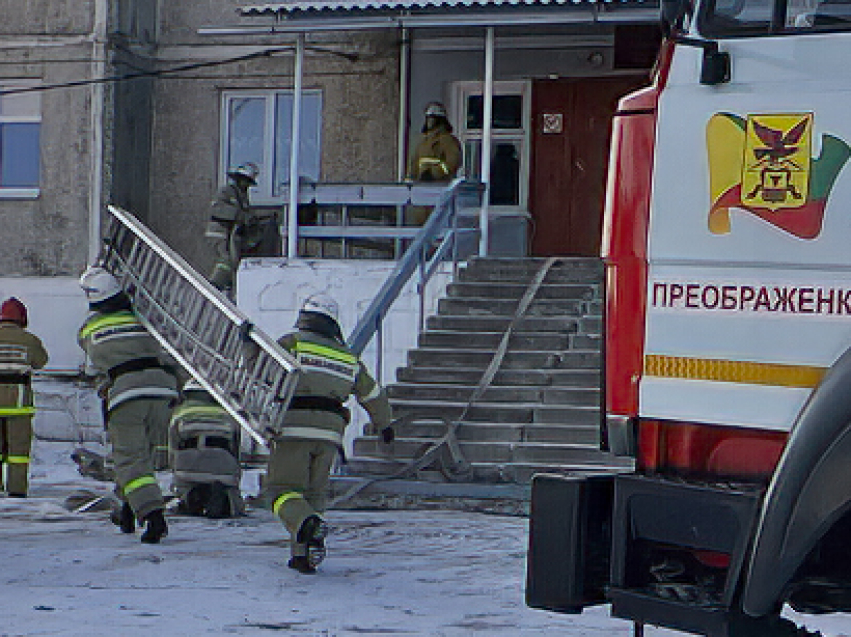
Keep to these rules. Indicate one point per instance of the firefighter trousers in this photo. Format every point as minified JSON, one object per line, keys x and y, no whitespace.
{"x":296,"y":483}
{"x":15,"y":442}
{"x":135,"y":427}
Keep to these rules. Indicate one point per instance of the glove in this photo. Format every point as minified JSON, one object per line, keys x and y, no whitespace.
{"x":388,"y":435}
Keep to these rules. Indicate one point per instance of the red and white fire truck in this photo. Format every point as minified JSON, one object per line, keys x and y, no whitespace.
{"x":727,"y":246}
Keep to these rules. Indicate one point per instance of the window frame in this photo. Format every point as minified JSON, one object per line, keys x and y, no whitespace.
{"x":774,"y":24}
{"x":18,"y":192}
{"x":466,"y":89}
{"x":263,"y":192}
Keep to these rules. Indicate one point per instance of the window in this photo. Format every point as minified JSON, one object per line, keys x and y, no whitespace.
{"x":20,"y":128}
{"x":257,"y":127}
{"x":762,"y":17}
{"x":509,"y":170}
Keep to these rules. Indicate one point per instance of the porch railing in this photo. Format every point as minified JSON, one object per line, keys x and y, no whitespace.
{"x":436,"y":241}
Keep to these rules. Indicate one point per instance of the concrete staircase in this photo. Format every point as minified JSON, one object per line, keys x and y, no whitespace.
{"x":542,"y":412}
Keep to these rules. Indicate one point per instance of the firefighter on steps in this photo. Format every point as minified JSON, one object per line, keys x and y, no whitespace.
{"x":311,"y":435}
{"x":140,"y":390}
{"x":20,"y":353}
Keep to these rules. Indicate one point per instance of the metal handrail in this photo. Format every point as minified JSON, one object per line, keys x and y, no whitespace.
{"x":424,"y":254}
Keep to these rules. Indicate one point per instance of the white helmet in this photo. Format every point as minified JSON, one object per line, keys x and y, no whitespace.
{"x":248,"y":170}
{"x":98,"y":284}
{"x":435,"y":109}
{"x":322,"y":303}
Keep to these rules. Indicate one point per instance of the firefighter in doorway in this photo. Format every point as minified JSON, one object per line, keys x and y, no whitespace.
{"x":311,"y":434}
{"x":139,"y":392}
{"x":231,"y":224}
{"x":20,"y":353}
{"x":437,"y":157}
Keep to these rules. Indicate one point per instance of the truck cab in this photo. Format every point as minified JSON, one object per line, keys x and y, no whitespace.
{"x":728,"y":328}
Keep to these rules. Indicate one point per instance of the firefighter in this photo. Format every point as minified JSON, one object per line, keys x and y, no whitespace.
{"x":20,"y":353}
{"x":204,"y":456}
{"x":229,"y":225}
{"x":437,"y":156}
{"x":139,"y":391}
{"x":311,"y":434}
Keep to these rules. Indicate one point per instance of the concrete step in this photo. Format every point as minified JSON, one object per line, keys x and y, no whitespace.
{"x":522,"y":270}
{"x":515,"y":291}
{"x":590,"y":377}
{"x":471,"y":359}
{"x":501,"y":307}
{"x":514,"y":413}
{"x":586,"y":396}
{"x":487,"y":323}
{"x":585,"y":341}
{"x":408,"y":450}
{"x":482,"y":473}
{"x":434,"y":429}
{"x":548,"y":341}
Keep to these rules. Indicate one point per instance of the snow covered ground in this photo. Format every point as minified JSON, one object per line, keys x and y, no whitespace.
{"x":387,"y":573}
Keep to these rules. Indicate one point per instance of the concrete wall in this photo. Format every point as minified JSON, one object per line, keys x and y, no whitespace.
{"x":358,"y":121}
{"x":48,"y":41}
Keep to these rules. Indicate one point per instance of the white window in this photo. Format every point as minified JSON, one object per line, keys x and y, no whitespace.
{"x":257,"y":128}
{"x":509,"y":170}
{"x":20,"y":129}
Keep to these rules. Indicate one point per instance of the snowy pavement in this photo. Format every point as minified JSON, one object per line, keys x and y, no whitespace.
{"x":387,"y":573}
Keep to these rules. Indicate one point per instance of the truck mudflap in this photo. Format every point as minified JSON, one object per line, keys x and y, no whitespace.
{"x":567,"y":566}
{"x":809,"y":492}
{"x":678,"y":550}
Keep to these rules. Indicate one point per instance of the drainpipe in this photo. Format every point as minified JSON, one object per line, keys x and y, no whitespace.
{"x":404,"y":106}
{"x":98,"y":71}
{"x":487,"y":115}
{"x":295,"y":142}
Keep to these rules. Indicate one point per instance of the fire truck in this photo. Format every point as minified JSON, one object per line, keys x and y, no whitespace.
{"x":727,"y":247}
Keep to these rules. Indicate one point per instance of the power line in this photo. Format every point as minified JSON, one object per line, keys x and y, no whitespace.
{"x":133,"y":76}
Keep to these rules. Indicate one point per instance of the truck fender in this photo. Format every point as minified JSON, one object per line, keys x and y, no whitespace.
{"x":809,"y":491}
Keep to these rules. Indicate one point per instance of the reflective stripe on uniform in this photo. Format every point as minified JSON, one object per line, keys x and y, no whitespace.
{"x":434,"y":161}
{"x":16,"y":411}
{"x":138,"y":483}
{"x":110,"y":320}
{"x":375,"y":393}
{"x":311,"y":433}
{"x":198,"y":410}
{"x":16,"y":459}
{"x":283,"y":498}
{"x":326,"y":360}
{"x":324,"y":350}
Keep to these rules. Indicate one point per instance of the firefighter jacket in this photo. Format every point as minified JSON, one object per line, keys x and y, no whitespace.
{"x":229,"y":211}
{"x":20,"y":353}
{"x":123,"y":351}
{"x":437,"y":157}
{"x":330,"y":374}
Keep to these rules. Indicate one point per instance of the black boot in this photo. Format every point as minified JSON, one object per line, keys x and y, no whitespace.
{"x":124,"y":518}
{"x":312,"y":532}
{"x":155,"y":527}
{"x":302,"y":565}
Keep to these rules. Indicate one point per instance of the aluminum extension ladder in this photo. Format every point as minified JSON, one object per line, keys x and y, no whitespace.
{"x":245,"y":370}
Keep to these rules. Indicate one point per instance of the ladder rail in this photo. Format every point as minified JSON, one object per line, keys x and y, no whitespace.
{"x":248,"y":373}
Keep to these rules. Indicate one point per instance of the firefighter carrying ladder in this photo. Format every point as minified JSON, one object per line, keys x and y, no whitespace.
{"x":245,"y":370}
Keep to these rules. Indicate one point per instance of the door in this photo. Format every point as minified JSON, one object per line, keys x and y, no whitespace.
{"x":570,"y":146}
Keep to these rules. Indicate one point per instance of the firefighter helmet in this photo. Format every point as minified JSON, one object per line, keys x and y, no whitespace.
{"x":247,"y":171}
{"x":98,"y":284}
{"x":322,"y":303}
{"x":14,"y":311}
{"x":435,"y":109}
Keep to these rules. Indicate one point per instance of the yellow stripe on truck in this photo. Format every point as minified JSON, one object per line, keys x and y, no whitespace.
{"x":727,"y":371}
